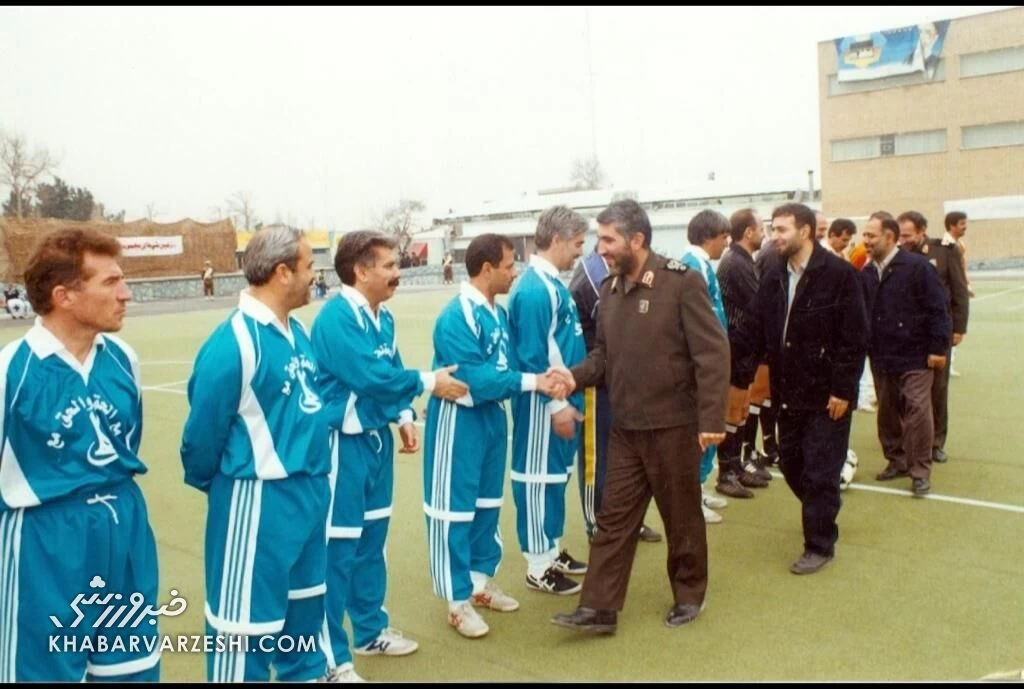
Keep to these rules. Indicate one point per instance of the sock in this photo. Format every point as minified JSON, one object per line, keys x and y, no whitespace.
{"x":729,"y":450}
{"x":768,"y":441}
{"x":750,"y":431}
{"x":454,"y":604}
{"x":479,"y":580}
{"x":538,"y":563}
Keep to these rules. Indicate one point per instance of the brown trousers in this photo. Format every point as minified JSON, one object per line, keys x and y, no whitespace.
{"x":207,"y":288}
{"x":665,"y":464}
{"x":940,"y":403}
{"x":905,"y":425}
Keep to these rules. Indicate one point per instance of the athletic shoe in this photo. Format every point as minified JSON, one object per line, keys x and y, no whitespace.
{"x":389,"y":642}
{"x":494,"y":598}
{"x":567,"y":564}
{"x":554,"y":582}
{"x":467,"y":621}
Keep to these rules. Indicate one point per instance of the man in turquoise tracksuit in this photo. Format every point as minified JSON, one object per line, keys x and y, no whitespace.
{"x":545,"y":331}
{"x":466,"y":440}
{"x":256,"y":443}
{"x":73,"y":522}
{"x":365,"y":388}
{"x":708,"y":233}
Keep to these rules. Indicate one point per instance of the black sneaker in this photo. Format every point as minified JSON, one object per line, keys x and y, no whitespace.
{"x":751,"y":479}
{"x":758,"y":465}
{"x":567,"y":564}
{"x":554,"y":582}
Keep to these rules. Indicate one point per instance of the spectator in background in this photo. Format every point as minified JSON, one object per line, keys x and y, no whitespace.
{"x":956,"y":228}
{"x":840,"y":233}
{"x":13,"y":302}
{"x":208,"y":281}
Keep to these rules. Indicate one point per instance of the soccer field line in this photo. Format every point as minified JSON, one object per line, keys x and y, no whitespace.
{"x":998,"y":294}
{"x":970,"y":502}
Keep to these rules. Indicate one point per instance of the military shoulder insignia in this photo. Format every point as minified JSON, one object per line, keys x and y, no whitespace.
{"x":677,"y":266}
{"x":648,"y":278}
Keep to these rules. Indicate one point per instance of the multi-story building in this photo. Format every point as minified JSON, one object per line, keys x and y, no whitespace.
{"x":952,"y":142}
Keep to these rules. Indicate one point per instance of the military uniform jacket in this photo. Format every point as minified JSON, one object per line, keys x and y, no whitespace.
{"x":948,"y":262}
{"x":660,"y":350}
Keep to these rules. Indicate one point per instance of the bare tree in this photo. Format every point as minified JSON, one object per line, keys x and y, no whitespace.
{"x":240,"y":205}
{"x":21,"y":169}
{"x":396,"y":222}
{"x":151,"y":211}
{"x":586,"y":173}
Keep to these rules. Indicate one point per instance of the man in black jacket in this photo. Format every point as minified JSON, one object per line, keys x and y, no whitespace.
{"x":737,"y":275}
{"x":809,"y":318}
{"x":948,"y":261}
{"x":910,"y":335}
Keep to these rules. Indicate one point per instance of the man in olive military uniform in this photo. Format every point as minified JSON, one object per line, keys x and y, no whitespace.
{"x":948,"y":261}
{"x":664,"y":358}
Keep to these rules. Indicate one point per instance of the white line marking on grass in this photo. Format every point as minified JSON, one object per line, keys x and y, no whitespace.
{"x":166,"y":363}
{"x":1019,"y":509}
{"x":159,"y":389}
{"x":998,"y":294}
{"x":168,"y":385}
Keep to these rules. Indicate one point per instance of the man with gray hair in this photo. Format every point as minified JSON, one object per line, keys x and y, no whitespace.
{"x":545,"y":331}
{"x":256,"y":443}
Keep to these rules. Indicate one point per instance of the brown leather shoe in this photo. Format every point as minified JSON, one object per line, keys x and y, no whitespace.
{"x":891,"y":472}
{"x":588,"y":620}
{"x":809,"y":563}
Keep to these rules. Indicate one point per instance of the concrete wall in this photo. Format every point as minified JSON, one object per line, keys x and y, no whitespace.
{"x":162,"y":289}
{"x":925,"y":182}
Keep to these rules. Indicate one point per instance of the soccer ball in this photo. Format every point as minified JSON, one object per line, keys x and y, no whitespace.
{"x":849,"y":470}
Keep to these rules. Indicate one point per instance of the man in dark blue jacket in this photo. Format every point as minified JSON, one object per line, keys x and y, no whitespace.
{"x":809,"y":317}
{"x":911,"y":329}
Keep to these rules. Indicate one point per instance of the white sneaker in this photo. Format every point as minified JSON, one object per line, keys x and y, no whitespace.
{"x":494,"y":598}
{"x":953,"y":373}
{"x":713,"y":501}
{"x":467,"y":621}
{"x":710,"y":516}
{"x":389,"y":642}
{"x":342,"y":674}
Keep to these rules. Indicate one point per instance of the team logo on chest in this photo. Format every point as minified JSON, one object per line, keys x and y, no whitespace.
{"x":101,"y":451}
{"x":296,"y":369}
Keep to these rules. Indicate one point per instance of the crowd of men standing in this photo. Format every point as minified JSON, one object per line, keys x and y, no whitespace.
{"x":289,"y":429}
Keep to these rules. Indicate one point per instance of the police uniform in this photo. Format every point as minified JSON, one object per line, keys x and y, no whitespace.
{"x":664,"y":357}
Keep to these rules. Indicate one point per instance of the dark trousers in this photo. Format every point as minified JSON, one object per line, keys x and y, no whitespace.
{"x":665,"y":464}
{"x":207,"y":288}
{"x":905,"y":423}
{"x":593,"y":456}
{"x":940,"y":403}
{"x":812,"y":450}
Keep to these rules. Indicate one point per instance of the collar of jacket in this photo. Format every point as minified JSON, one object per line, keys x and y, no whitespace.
{"x":651,"y":266}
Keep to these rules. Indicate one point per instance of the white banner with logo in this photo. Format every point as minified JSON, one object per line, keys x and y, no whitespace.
{"x":151,"y":246}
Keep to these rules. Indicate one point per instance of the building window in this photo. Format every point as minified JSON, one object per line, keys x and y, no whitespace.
{"x":992,"y":62}
{"x":885,"y":145}
{"x":845,"y":88}
{"x":992,"y":135}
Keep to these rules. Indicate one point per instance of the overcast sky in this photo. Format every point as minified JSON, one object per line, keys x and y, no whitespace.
{"x":328,"y":114}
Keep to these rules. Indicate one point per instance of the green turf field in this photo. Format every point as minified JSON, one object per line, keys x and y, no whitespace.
{"x":919,"y":590}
